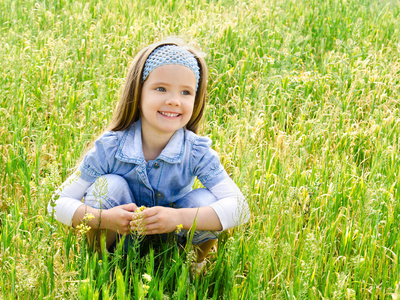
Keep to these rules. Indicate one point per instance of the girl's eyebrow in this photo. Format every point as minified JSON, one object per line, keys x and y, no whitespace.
{"x":186,"y":86}
{"x":160,"y":82}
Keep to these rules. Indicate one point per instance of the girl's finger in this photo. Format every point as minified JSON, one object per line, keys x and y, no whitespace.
{"x":151,"y":229}
{"x":151,"y":211}
{"x":150,"y":220}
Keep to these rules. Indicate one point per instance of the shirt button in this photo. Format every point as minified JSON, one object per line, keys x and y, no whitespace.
{"x":160,"y":196}
{"x":156,"y":165}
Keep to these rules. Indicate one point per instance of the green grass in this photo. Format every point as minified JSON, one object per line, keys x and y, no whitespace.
{"x":303,"y":110}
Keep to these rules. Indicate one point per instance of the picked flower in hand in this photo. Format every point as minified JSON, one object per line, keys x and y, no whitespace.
{"x":140,"y":209}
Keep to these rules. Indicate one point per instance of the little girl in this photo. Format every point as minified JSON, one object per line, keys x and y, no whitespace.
{"x":150,"y":157}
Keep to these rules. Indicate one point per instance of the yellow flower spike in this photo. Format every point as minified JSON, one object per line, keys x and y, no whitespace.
{"x":138,"y":217}
{"x":140,"y":209}
{"x":88,"y":217}
{"x":146,"y":277}
{"x":178,"y":228}
{"x":145,"y":288}
{"x":83,"y":228}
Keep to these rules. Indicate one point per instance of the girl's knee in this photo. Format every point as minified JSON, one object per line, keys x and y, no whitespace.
{"x":197,"y":198}
{"x":116,"y":186}
{"x":108,"y":191}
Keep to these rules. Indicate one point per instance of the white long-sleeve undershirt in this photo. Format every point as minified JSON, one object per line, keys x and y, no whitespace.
{"x":231,"y":207}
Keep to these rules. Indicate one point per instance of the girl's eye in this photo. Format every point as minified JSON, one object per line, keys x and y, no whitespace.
{"x":160,"y":89}
{"x":186,"y":93}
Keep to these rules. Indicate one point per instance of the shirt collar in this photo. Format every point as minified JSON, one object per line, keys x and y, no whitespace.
{"x":130,"y":148}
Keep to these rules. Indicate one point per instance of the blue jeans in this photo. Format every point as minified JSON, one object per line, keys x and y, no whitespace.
{"x":112,"y":190}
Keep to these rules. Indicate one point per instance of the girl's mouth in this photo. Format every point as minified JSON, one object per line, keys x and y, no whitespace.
{"x":168,"y":114}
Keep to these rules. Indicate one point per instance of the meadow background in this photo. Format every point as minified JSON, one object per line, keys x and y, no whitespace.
{"x":303,"y":109}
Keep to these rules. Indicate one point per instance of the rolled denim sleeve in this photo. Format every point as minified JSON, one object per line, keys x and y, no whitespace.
{"x":100,"y":160}
{"x":205,"y":163}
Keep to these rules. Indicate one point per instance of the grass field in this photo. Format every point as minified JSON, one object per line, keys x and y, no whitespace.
{"x":303,"y":110}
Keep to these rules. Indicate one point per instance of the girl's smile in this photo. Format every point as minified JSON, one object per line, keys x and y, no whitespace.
{"x":168,"y":114}
{"x":167,"y":100}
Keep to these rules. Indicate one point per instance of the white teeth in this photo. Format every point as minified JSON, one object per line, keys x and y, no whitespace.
{"x":168,"y":114}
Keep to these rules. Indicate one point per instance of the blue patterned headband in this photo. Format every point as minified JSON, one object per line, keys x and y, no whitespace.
{"x":171,"y":55}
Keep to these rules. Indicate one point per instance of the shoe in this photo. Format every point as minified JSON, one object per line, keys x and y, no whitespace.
{"x":198,"y":268}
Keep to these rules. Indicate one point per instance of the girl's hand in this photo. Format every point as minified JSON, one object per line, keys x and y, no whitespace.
{"x":156,"y":220}
{"x":118,"y":218}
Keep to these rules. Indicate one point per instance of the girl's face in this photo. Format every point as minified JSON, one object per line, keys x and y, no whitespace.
{"x":167,"y":100}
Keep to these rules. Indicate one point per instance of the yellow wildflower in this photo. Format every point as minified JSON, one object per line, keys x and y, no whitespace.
{"x":140,"y":209}
{"x":145,"y":288}
{"x":88,"y":217}
{"x":83,"y":228}
{"x":178,"y":228}
{"x":138,"y":217}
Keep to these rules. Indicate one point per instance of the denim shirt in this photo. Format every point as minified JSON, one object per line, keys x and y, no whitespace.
{"x":161,"y":181}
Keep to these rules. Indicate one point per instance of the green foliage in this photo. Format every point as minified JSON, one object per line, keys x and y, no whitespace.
{"x":303,"y":110}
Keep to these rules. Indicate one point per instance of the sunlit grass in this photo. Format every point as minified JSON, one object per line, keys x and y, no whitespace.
{"x":303,"y":110}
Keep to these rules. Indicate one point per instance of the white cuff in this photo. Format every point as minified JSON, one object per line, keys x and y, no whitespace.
{"x":64,"y":209}
{"x":231,"y":208}
{"x":70,"y":194}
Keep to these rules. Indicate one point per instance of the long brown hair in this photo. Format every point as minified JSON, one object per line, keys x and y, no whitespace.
{"x":128,"y":112}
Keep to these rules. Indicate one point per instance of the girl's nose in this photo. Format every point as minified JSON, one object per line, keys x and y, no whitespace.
{"x":173,"y":100}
